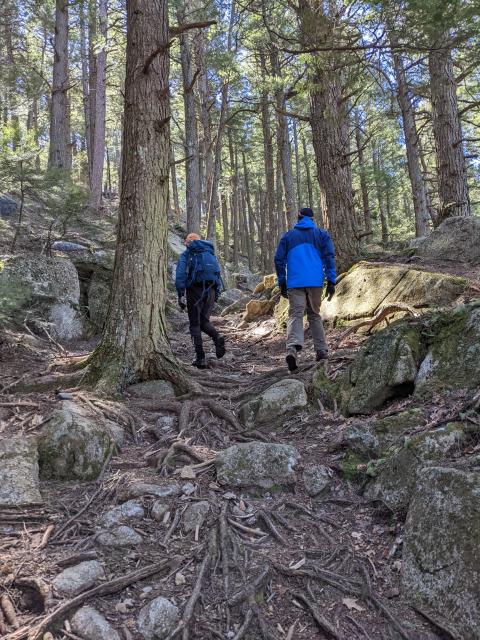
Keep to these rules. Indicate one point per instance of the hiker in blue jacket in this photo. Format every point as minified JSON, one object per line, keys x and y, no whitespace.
{"x":198,"y":276}
{"x":304,"y":259}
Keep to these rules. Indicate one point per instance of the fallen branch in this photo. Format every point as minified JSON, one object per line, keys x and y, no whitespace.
{"x":9,"y":611}
{"x":382,"y":314}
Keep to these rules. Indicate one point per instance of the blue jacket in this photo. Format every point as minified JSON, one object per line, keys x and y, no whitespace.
{"x":305,"y":256}
{"x":183,"y":275}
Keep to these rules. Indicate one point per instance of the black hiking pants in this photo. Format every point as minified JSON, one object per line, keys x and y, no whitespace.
{"x":200,"y":301}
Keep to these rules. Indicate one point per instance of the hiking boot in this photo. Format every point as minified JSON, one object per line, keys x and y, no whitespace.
{"x":220,"y":347}
{"x":200,"y":363}
{"x":291,"y":362}
{"x":322,"y":355}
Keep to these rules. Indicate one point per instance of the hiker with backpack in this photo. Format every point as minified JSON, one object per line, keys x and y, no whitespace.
{"x":304,"y":259}
{"x":198,"y":277}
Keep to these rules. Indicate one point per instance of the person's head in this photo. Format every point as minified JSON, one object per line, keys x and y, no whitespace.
{"x":306,"y":212}
{"x":191,"y":237}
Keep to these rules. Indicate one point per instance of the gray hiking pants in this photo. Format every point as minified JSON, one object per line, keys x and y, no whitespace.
{"x":301,"y":300}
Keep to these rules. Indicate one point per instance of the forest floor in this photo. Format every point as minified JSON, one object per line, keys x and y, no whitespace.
{"x":279,"y":565}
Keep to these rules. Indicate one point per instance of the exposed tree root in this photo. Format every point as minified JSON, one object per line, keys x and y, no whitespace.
{"x":381,"y":315}
{"x":322,"y":623}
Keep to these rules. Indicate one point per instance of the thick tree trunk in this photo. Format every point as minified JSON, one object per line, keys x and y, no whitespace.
{"x":447,"y":130}
{"x":330,"y":136}
{"x":173,"y":175}
{"x":60,"y":150}
{"x":269,"y":175}
{"x":98,"y":116}
{"x":307,"y":173}
{"x":298,"y":171}
{"x":83,"y":12}
{"x":281,"y":220}
{"x":377,"y":168}
{"x":367,"y":219}
{"x":134,"y":344}
{"x":419,"y":191}
{"x":225,"y":225}
{"x":192,"y":166}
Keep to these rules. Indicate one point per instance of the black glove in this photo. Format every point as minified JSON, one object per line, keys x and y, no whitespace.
{"x":330,"y":290}
{"x":217,"y":295}
{"x":283,"y":290}
{"x":181,"y":301}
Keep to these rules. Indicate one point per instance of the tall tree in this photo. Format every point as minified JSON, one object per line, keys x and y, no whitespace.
{"x":60,"y":151}
{"x":134,"y":343}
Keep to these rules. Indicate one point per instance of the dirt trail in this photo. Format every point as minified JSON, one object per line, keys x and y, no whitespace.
{"x":275,"y":566}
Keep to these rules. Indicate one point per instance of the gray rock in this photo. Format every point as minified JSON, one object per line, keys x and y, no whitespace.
{"x":157,"y":619}
{"x":89,"y":624}
{"x":316,"y":479}
{"x":237,"y":306}
{"x":195,"y":515}
{"x":72,"y":445}
{"x":98,"y":297}
{"x":122,"y":536}
{"x":19,"y":484}
{"x":456,"y":239}
{"x":229,"y":297}
{"x":152,"y":389}
{"x":166,"y":423}
{"x":360,"y":439}
{"x":139,"y":489}
{"x":130,"y":510}
{"x":279,"y":399}
{"x":259,"y":464}
{"x":441,"y":553}
{"x":159,"y":509}
{"x":74,"y":580}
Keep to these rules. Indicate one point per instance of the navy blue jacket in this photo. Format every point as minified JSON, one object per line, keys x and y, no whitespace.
{"x":305,"y":256}
{"x":183,"y":277}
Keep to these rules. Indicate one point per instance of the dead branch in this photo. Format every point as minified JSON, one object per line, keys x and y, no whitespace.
{"x":9,"y":611}
{"x":383,"y":313}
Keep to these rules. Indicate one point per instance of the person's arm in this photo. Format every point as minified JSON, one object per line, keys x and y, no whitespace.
{"x":281,"y":261}
{"x":327,"y":252}
{"x":181,"y":274}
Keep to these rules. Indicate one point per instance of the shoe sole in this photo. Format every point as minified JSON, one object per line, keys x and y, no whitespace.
{"x":220,"y":347}
{"x":291,"y":363}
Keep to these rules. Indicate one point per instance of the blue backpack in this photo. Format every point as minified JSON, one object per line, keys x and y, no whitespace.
{"x":203,"y":266}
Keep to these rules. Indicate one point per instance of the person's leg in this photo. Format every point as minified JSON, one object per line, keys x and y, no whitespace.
{"x":295,"y":337}
{"x":207,"y":327}
{"x":194,"y":302}
{"x":314,"y":295}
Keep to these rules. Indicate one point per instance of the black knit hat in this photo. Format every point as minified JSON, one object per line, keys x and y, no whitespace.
{"x":307,"y":212}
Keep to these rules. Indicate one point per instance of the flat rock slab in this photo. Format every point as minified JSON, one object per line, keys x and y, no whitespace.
{"x":78,"y":578}
{"x":19,"y":482}
{"x":157,"y":619}
{"x":130,"y":510}
{"x":279,"y":399}
{"x":139,"y":489}
{"x":122,"y":536}
{"x":258,"y":464}
{"x":89,"y":624}
{"x":456,"y":239}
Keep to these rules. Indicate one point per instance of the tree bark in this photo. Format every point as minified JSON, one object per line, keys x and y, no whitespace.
{"x":269,"y":170}
{"x":134,"y":344}
{"x":330,"y":134}
{"x":173,"y":175}
{"x":367,"y":218}
{"x":83,"y":12}
{"x":447,"y":130}
{"x":60,"y":150}
{"x":298,"y":172}
{"x":307,"y":173}
{"x":377,"y":168}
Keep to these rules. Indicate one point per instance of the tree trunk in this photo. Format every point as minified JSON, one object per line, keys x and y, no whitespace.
{"x":330,"y":135}
{"x":192,"y":167}
{"x":447,"y":130}
{"x":298,"y":173}
{"x":60,"y":150}
{"x":269,"y":172}
{"x":98,"y":116}
{"x":134,"y":344}
{"x":419,"y":192}
{"x":173,"y":175}
{"x":83,"y":12}
{"x":226,"y":235}
{"x":363,"y":178}
{"x":377,"y":168}
{"x":281,"y":221}
{"x":307,"y":173}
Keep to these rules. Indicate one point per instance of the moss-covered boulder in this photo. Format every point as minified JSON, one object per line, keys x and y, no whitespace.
{"x":72,"y":445}
{"x":257,"y":464}
{"x":441,"y":553}
{"x":366,"y":287}
{"x":279,"y":399}
{"x":280,"y":313}
{"x":398,"y":474}
{"x":452,"y":347}
{"x":385,"y":367}
{"x":324,"y":389}
{"x":48,"y":288}
{"x":456,"y":239}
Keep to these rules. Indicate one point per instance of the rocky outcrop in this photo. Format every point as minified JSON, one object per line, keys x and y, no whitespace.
{"x":19,"y":483}
{"x":441,"y":553}
{"x":456,"y":239}
{"x":255,"y":309}
{"x":74,"y":446}
{"x":48,"y":288}
{"x":157,"y":619}
{"x":367,"y":287}
{"x":279,"y":399}
{"x":257,"y":464}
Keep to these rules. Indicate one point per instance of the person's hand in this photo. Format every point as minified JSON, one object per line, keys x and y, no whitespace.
{"x":283,"y":290}
{"x":330,"y":290}
{"x":217,"y":295}
{"x":181,"y":301}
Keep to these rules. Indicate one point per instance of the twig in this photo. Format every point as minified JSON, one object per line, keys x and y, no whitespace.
{"x":9,"y":611}
{"x":46,"y":537}
{"x":77,"y":515}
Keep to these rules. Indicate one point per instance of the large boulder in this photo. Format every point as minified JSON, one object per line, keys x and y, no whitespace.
{"x":229,"y":297}
{"x":279,"y":399}
{"x":255,"y":309}
{"x":367,"y":287}
{"x":19,"y":484}
{"x":441,"y":553}
{"x":157,"y":619}
{"x":399,"y":474}
{"x":456,"y":239}
{"x":46,"y":288}
{"x":98,"y":298}
{"x":257,"y":464}
{"x":72,"y":445}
